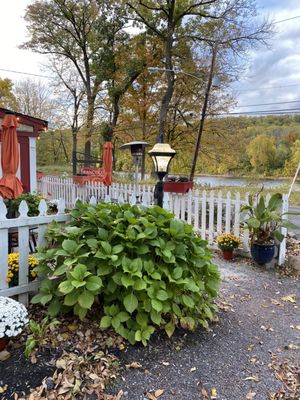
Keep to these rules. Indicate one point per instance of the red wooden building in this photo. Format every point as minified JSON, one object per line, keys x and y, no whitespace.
{"x":28,"y":131}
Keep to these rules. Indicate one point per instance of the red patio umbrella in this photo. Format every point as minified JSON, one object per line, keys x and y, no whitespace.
{"x":107,"y":163}
{"x":10,"y":185}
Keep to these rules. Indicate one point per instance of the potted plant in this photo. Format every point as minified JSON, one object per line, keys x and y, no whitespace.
{"x":178,"y":185}
{"x":13,"y":268}
{"x":227,"y":243}
{"x":264,"y":223}
{"x":13,"y":318}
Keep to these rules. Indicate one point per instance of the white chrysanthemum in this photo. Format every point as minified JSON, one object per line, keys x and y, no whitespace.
{"x":13,"y":317}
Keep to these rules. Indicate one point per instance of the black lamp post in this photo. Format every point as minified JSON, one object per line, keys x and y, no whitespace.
{"x":161,"y":155}
{"x":137,"y":150}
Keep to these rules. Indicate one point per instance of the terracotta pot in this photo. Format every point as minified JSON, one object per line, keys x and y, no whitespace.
{"x":228,"y":254}
{"x":3,"y":343}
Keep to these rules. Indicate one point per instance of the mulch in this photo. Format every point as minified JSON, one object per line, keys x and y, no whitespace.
{"x":251,"y":352}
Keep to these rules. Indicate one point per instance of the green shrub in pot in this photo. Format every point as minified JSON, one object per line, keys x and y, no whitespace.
{"x":264,"y":223}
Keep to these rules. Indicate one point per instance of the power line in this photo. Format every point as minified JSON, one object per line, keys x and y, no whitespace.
{"x":25,"y":73}
{"x":267,"y":87}
{"x":287,"y":19}
{"x":269,"y":104}
{"x":265,"y":112}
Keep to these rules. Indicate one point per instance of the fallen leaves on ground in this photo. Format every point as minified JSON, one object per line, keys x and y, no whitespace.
{"x":134,"y":365}
{"x":250,"y":396}
{"x":154,"y":395}
{"x":84,"y":366}
{"x":290,"y":298}
{"x":288,"y":374}
{"x":253,"y":378}
{"x":4,"y":355}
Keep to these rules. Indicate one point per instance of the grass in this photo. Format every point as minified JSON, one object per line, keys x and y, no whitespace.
{"x":294,"y":198}
{"x":55,"y":169}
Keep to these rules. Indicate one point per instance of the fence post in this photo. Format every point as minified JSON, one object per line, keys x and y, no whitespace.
{"x":3,"y":247}
{"x":282,"y":246}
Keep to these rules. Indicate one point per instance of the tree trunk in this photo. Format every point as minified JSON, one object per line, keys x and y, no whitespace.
{"x":89,"y":132}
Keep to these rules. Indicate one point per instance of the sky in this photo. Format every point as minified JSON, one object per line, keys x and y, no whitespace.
{"x":272,"y":75}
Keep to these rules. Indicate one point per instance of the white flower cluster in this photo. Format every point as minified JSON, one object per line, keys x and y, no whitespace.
{"x":13,"y":317}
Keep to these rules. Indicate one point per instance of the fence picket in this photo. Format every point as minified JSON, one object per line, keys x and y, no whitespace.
{"x":228,"y":213}
{"x":219,"y":213}
{"x":196,"y":211}
{"x":237,"y":210}
{"x":189,"y":207}
{"x":203,"y":215}
{"x":23,"y":240}
{"x":211,"y":217}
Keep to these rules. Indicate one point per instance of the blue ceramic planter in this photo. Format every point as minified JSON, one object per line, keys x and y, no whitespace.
{"x":262,"y":253}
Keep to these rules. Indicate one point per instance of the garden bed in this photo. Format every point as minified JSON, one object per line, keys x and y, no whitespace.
{"x":256,"y":338}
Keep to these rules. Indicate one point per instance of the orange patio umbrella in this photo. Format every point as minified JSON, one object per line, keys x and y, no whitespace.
{"x":107,"y":163}
{"x":10,"y":185}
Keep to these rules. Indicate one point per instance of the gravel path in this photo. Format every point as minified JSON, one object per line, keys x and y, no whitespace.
{"x":258,"y":321}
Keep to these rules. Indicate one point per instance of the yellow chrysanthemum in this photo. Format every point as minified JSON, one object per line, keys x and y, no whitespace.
{"x":13,"y":267}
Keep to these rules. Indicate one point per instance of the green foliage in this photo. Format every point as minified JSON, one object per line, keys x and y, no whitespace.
{"x":261,"y":152}
{"x":146,"y":269}
{"x":38,"y":333}
{"x":7,"y":97}
{"x":32,"y":200}
{"x":265,"y":219}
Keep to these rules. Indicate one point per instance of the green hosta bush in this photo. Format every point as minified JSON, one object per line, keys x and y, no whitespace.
{"x":139,"y":266}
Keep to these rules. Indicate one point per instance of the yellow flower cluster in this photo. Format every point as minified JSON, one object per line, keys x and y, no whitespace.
{"x":13,"y":268}
{"x":227,"y":241}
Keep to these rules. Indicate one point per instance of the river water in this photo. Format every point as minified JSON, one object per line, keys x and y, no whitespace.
{"x":215,"y":181}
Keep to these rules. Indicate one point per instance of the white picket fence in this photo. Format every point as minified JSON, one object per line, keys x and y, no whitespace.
{"x":210,"y":213}
{"x":22,"y":227}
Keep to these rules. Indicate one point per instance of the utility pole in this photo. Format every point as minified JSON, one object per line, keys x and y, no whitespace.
{"x":203,"y":111}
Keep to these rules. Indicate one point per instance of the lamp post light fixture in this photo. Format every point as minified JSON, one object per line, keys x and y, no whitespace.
{"x":161,"y":155}
{"x":137,"y":150}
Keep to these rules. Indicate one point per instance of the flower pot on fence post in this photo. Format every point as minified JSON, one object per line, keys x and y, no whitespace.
{"x":3,"y":343}
{"x":228,"y":254}
{"x":177,"y":187}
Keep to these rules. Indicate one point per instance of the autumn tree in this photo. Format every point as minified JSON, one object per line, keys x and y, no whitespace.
{"x":292,"y":163}
{"x":35,"y":98}
{"x":262,"y":152}
{"x":80,"y":31}
{"x":7,"y":97}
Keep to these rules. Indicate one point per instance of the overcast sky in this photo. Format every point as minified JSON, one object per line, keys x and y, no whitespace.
{"x":268,"y":68}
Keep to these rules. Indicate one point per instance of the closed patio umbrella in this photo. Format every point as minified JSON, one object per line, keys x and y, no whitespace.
{"x":10,"y":185}
{"x":107,"y":163}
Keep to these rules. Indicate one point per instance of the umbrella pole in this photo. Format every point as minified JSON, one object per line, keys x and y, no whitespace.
{"x":10,"y":209}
